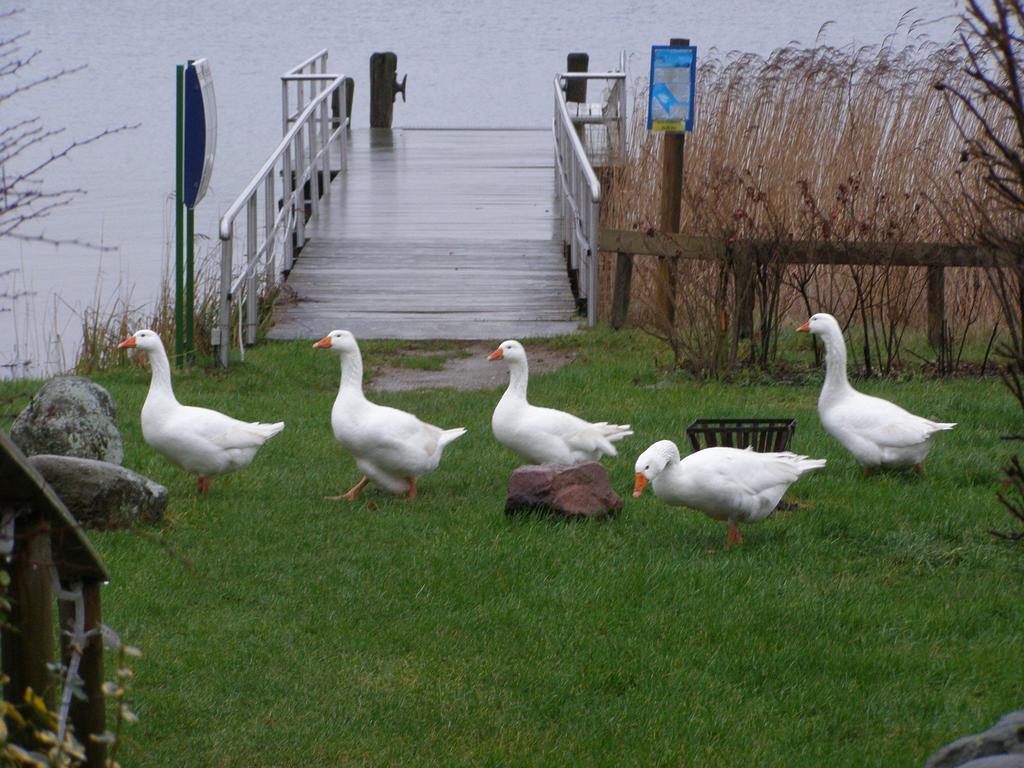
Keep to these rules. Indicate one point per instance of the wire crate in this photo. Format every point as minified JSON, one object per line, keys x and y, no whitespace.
{"x":764,"y":435}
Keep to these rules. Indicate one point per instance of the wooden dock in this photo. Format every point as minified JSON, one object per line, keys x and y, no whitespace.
{"x":447,"y":234}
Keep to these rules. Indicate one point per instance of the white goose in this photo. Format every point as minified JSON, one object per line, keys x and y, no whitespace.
{"x":878,"y":433}
{"x":544,"y":435}
{"x":198,"y":440}
{"x":740,"y":486}
{"x":391,"y":447}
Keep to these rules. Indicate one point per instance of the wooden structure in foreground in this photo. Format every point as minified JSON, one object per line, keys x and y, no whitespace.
{"x":40,"y":538}
{"x":933,"y":256}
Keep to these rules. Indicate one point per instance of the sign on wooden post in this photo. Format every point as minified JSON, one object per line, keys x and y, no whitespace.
{"x":670,"y":110}
{"x":672,"y":87}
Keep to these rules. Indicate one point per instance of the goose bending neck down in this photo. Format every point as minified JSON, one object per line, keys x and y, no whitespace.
{"x":392,"y":448}
{"x":199,"y":440}
{"x":545,"y":435}
{"x":877,"y":432}
{"x":728,"y":484}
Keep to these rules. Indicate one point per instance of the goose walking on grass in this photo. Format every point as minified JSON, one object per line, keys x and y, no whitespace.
{"x":391,"y":447}
{"x":544,"y":435}
{"x":878,"y":433}
{"x":199,"y":440}
{"x":728,"y":484}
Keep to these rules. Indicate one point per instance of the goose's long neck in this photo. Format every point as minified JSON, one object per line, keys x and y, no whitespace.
{"x":160,"y":379}
{"x":518,"y":378}
{"x":835,"y":364}
{"x":351,"y":374}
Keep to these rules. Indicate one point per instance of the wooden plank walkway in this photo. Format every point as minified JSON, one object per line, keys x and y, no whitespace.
{"x":435,"y":234}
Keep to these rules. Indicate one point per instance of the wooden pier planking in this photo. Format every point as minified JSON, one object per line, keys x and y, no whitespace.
{"x":447,"y":233}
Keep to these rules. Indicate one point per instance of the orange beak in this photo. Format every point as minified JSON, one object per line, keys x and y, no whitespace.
{"x":324,"y":343}
{"x":496,"y":354}
{"x":129,"y":342}
{"x":805,"y":328}
{"x":639,"y":485}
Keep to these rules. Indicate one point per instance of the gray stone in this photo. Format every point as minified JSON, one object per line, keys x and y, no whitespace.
{"x":100,"y":494}
{"x":70,"y":416}
{"x":996,"y":761}
{"x":1005,"y":738}
{"x":583,"y":490}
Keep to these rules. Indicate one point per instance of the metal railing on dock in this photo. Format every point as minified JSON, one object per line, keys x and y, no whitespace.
{"x":302,"y":162}
{"x":578,"y":188}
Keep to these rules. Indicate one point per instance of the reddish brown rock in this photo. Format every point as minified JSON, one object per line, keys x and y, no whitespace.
{"x":580,"y":491}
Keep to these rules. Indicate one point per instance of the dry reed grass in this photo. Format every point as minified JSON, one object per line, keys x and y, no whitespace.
{"x":822,"y":146}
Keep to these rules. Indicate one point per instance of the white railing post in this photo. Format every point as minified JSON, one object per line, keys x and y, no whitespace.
{"x":310,"y":164}
{"x":222,"y":338}
{"x":593,"y":269}
{"x":325,"y":145}
{"x":250,"y":265}
{"x":299,"y":193}
{"x":284,"y":107}
{"x":287,"y":195}
{"x":270,"y":274}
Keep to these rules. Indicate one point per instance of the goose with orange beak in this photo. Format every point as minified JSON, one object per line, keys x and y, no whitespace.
{"x":391,"y":447}
{"x":199,"y":440}
{"x":545,"y":435}
{"x":877,"y":432}
{"x":727,"y":484}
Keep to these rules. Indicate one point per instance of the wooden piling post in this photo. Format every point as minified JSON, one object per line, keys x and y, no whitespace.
{"x":336,"y":113}
{"x":936,"y":306}
{"x":383,"y":87}
{"x":576,"y":87}
{"x":670,"y":208}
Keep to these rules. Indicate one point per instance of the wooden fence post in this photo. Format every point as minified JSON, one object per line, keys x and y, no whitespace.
{"x":623,"y":283}
{"x":28,"y":648}
{"x":936,"y":306}
{"x":743,"y":276}
{"x":672,"y":147}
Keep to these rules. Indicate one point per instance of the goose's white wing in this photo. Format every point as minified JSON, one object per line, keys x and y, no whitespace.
{"x":884,"y":423}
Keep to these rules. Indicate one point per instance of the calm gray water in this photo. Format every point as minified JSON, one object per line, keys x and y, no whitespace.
{"x":469,"y":64}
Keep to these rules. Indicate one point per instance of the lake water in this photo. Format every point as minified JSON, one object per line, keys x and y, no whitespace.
{"x":469,"y":64}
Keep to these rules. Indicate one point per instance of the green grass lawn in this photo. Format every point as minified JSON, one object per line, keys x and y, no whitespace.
{"x":868,"y":627}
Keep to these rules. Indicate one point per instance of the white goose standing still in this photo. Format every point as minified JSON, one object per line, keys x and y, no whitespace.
{"x":391,"y":447}
{"x":198,"y":440}
{"x":878,"y":433}
{"x":544,"y":435}
{"x":741,"y":486}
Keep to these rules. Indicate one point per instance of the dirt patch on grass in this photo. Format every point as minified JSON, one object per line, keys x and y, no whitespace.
{"x":465,"y":367}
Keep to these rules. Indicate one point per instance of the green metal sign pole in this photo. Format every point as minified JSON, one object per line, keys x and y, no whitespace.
{"x":179,"y":224}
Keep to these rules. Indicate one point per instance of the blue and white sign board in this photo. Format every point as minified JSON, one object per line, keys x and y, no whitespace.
{"x":671,"y":93}
{"x":200,"y":131}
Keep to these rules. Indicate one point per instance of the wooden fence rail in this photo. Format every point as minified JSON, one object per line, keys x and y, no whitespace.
{"x":935,"y":257}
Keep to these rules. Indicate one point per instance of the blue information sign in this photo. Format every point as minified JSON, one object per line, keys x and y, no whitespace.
{"x":672,"y":86}
{"x":200,"y":131}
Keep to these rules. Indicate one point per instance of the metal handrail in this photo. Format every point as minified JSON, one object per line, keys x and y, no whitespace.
{"x":579,"y":191}
{"x":317,"y":63}
{"x":302,"y":156}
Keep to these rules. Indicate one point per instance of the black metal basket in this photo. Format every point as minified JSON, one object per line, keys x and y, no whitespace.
{"x":764,"y":434}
